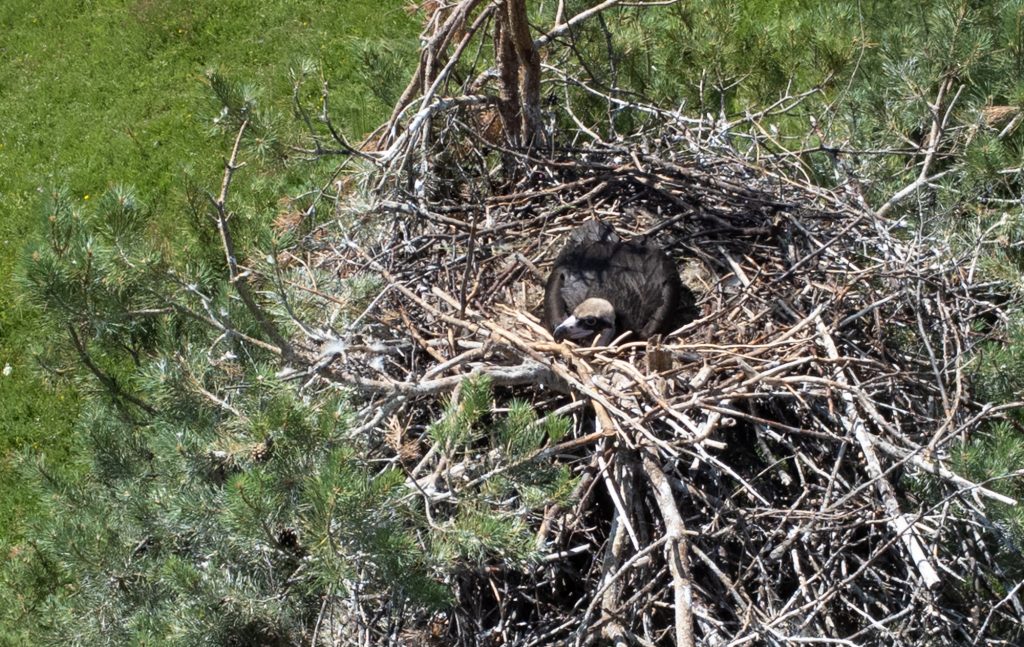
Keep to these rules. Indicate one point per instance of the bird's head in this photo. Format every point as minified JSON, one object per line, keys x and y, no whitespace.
{"x":592,"y":317}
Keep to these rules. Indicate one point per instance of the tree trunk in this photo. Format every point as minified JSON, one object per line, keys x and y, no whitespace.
{"x":519,"y":74}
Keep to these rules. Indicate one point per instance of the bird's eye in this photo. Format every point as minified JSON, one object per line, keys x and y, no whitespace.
{"x":590,"y":322}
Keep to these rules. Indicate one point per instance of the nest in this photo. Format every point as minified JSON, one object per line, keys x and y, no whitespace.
{"x":774,"y":471}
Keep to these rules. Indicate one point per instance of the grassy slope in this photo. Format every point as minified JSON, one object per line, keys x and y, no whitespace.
{"x":95,"y":92}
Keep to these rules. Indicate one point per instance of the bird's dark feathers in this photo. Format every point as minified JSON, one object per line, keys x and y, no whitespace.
{"x":636,"y":277}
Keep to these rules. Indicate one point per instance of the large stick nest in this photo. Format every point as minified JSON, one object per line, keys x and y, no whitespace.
{"x":774,"y":471}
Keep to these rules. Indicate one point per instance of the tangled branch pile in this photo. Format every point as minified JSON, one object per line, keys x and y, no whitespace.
{"x":744,"y":479}
{"x":774,"y":471}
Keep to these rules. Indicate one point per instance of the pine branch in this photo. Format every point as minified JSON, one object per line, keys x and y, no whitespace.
{"x":108,"y":381}
{"x":240,"y":279}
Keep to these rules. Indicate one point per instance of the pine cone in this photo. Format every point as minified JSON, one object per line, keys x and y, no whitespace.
{"x":262,"y":452}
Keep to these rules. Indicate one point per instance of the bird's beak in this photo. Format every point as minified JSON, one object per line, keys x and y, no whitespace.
{"x":571,"y":328}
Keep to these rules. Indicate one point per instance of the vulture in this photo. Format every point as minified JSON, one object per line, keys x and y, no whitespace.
{"x":602,"y":286}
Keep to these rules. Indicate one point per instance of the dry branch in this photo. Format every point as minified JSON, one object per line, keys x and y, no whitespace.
{"x":237,"y":278}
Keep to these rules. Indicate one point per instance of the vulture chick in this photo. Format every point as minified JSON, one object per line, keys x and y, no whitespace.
{"x":602,"y":286}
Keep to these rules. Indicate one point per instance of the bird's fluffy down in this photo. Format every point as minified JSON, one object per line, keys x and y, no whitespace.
{"x":638,"y":279}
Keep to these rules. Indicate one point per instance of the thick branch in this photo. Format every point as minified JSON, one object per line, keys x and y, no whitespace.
{"x":934,"y":137}
{"x":678,"y":561}
{"x":240,"y":279}
{"x":897,"y":520}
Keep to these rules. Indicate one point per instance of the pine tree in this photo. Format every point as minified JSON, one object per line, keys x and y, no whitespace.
{"x":222,"y":505}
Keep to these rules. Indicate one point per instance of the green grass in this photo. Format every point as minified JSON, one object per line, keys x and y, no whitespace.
{"x":98,"y":92}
